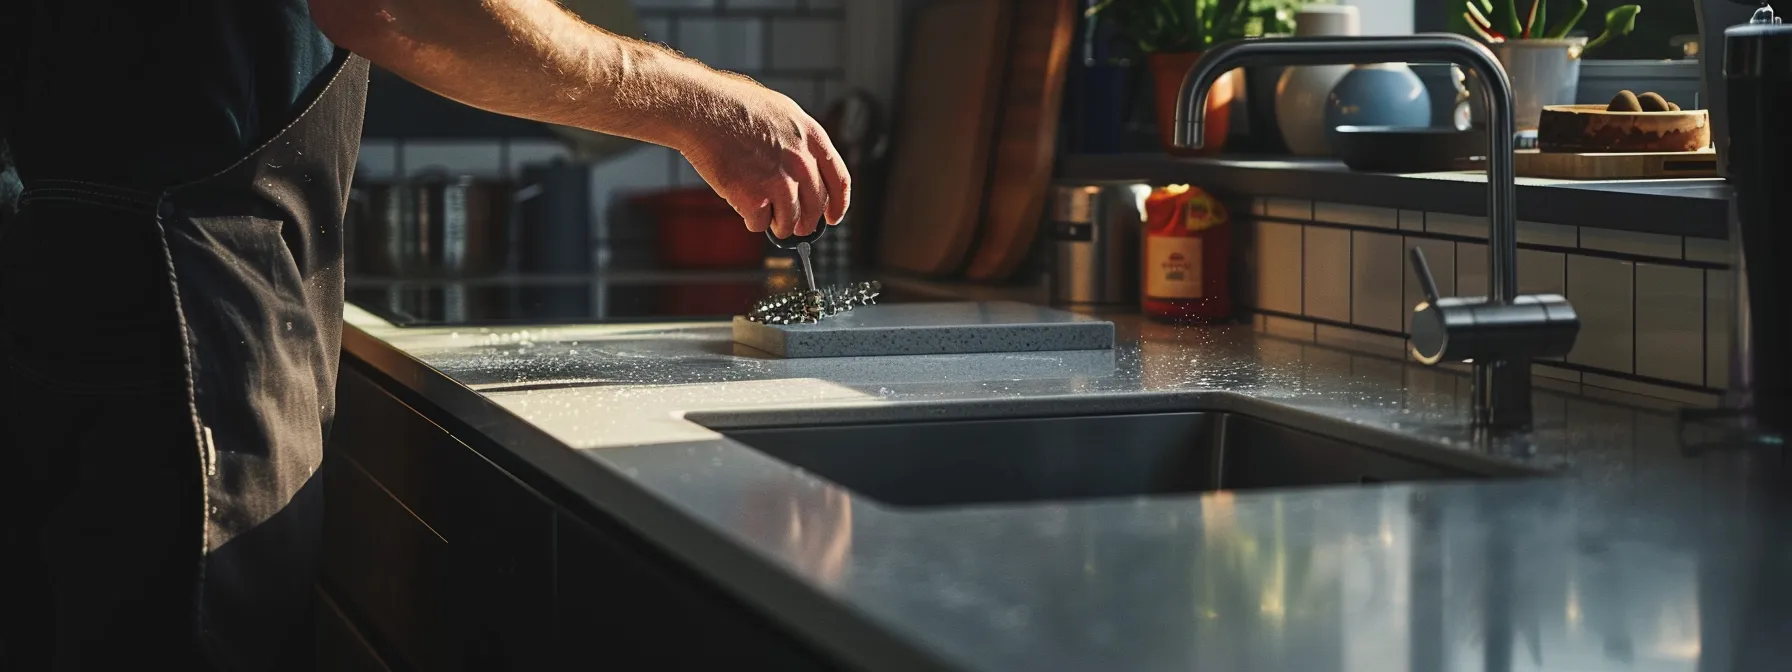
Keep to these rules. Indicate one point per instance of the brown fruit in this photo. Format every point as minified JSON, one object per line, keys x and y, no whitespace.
{"x":1625,"y":101}
{"x":1673,"y":106}
{"x":1652,"y":102}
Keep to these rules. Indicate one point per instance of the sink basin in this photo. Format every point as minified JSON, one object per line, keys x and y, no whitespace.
{"x":961,"y":462}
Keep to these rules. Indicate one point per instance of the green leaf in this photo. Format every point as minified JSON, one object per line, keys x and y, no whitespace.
{"x":1618,"y":23}
{"x":1506,"y":13}
{"x":1561,"y":30}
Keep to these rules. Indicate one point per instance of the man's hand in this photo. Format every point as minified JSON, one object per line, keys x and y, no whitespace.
{"x":531,"y":59}
{"x":772,"y":162}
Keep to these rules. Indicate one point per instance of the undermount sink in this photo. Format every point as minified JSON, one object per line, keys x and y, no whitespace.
{"x":960,"y":462}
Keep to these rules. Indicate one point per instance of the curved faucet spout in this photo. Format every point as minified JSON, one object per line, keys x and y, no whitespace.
{"x":1502,"y":369}
{"x":1502,"y":206}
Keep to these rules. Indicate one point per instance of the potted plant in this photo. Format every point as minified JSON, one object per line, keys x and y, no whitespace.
{"x":1543,"y":63}
{"x":1173,"y":34}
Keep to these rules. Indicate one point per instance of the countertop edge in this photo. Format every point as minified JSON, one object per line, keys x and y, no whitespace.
{"x":1697,"y":209}
{"x":847,"y":636}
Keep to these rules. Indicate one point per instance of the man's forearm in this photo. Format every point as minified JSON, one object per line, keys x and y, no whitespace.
{"x":529,"y":58}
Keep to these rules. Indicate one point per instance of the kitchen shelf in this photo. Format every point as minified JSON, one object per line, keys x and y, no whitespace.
{"x":1683,"y":207}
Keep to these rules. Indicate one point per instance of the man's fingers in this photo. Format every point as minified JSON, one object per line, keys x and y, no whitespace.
{"x":758,"y":218}
{"x":814,"y":199}
{"x":786,"y":206}
{"x":755,"y":213}
{"x":836,"y":180}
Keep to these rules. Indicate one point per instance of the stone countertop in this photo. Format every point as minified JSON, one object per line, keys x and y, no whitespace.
{"x":1695,"y":207}
{"x":1648,"y":555}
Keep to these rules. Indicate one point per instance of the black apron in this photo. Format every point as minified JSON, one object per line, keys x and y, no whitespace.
{"x":255,"y":257}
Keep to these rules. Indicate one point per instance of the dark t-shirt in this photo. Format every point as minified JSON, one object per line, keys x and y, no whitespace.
{"x":152,"y":93}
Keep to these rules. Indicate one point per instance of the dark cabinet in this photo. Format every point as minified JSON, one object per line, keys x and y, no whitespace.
{"x":439,"y":560}
{"x":446,"y":559}
{"x":623,"y":601}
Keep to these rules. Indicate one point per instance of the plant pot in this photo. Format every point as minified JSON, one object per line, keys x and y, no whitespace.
{"x":1542,"y":72}
{"x":1167,"y":71}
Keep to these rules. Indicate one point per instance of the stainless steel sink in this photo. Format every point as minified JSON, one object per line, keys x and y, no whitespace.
{"x":929,"y":464}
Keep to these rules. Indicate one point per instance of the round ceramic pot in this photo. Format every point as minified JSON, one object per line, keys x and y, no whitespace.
{"x":1301,"y":92}
{"x":1379,"y":94}
{"x":1542,"y":72}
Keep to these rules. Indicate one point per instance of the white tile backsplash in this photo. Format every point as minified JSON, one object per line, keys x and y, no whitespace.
{"x":1326,"y":265}
{"x":1277,"y":266}
{"x":479,"y":158}
{"x":656,"y":29}
{"x":1600,"y":290}
{"x":1542,"y":272}
{"x":1678,"y":396}
{"x":1392,"y":347}
{"x":1471,"y":269}
{"x":642,"y":170}
{"x":523,"y":153}
{"x":1720,"y":311}
{"x":1288,"y":328}
{"x":1708,"y":250}
{"x":725,"y":43}
{"x":1456,"y":225}
{"x":1289,"y":208}
{"x":805,"y":44}
{"x":1631,"y":242}
{"x":1670,"y":335}
{"x":1540,"y":233}
{"x":832,"y":90}
{"x":1359,"y":215}
{"x":1555,"y":372}
{"x":1376,"y":292}
{"x":378,"y":160}
{"x":684,"y":174}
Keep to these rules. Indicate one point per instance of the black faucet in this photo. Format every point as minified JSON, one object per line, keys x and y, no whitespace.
{"x":1500,"y":333}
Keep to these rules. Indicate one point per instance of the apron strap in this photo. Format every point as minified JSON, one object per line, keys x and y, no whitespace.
{"x":115,"y":197}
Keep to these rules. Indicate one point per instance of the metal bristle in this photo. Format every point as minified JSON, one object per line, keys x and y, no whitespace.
{"x":810,"y":306}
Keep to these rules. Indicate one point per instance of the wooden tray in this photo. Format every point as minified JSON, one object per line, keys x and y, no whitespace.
{"x":1615,"y":166}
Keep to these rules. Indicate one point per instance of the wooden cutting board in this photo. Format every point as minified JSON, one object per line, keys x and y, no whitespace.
{"x":951,"y":80}
{"x":1026,"y":135}
{"x":1614,"y":166}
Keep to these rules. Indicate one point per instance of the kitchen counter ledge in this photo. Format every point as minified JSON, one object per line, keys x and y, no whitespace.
{"x":1694,"y":207}
{"x":1643,"y":555}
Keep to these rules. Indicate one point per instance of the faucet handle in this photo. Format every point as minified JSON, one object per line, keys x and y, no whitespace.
{"x":1427,"y":284}
{"x":1475,"y":329}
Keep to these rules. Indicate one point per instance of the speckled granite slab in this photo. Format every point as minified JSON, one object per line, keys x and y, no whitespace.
{"x":930,"y":329}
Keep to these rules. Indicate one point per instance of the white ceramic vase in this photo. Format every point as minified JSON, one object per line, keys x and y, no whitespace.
{"x":1301,"y":91}
{"x":1542,"y":72}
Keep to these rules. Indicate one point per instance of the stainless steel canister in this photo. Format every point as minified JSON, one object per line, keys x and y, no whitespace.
{"x":1096,"y":228}
{"x":433,"y":224}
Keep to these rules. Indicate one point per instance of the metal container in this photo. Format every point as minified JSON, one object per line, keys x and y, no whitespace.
{"x":1096,"y":228}
{"x":553,"y":226}
{"x":431,"y":225}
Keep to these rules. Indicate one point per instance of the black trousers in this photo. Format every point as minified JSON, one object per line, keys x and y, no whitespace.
{"x":99,"y":468}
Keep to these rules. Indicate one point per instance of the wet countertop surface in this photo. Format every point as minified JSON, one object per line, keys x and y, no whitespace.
{"x":1638,"y":552}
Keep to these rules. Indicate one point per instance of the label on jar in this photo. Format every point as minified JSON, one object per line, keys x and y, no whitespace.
{"x":1173,"y":268}
{"x":1202,"y":212}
